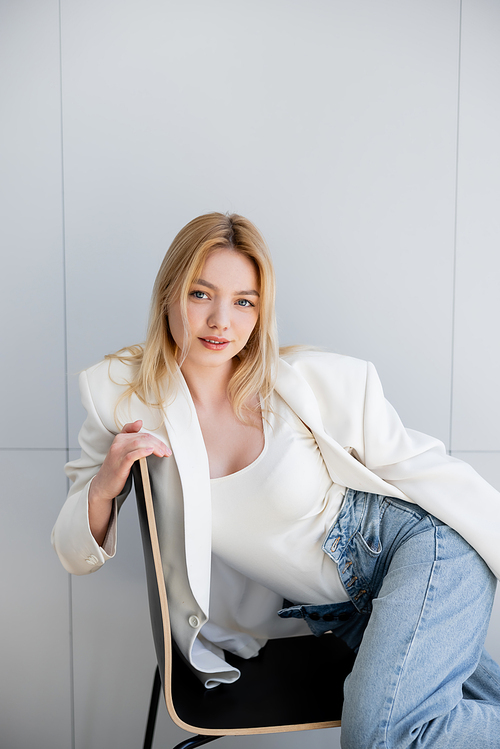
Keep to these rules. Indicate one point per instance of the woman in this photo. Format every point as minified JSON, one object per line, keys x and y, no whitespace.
{"x":291,"y":479}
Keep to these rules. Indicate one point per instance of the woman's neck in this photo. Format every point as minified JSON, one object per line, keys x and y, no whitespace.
{"x":208,"y":386}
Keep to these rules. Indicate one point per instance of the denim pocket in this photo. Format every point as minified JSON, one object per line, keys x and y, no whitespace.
{"x":370,"y":543}
{"x":368,"y":533}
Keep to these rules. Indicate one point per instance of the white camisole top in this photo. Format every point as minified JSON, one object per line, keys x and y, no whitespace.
{"x":271,"y":518}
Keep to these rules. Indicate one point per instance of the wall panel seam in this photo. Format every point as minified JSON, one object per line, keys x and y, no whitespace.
{"x":455,"y":229}
{"x":472,"y":452}
{"x":66,"y":393}
{"x":40,"y":449}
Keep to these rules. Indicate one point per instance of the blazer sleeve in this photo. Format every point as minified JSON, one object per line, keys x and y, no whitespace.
{"x":419,"y":465}
{"x":71,"y":538}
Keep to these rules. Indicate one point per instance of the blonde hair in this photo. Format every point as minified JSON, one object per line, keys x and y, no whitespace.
{"x":157,"y":361}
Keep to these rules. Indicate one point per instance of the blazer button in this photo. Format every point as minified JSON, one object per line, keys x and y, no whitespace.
{"x":92,"y":560}
{"x":194,"y":622}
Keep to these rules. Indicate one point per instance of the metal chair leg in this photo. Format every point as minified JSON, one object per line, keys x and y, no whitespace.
{"x":153,"y":709}
{"x":190,"y":743}
{"x":196,"y":741}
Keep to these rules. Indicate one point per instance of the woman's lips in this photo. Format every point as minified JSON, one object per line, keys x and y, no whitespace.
{"x":214,"y":343}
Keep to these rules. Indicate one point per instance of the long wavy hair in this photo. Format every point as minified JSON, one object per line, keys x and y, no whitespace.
{"x":157,"y":360}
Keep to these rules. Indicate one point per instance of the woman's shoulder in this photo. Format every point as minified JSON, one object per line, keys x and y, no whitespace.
{"x":122,"y":365}
{"x":107,"y":384}
{"x":303,"y":359}
{"x":109,"y":389}
{"x":338,"y":383}
{"x":115,"y":369}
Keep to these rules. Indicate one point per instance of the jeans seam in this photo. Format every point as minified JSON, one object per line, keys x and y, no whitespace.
{"x":393,"y":502}
{"x":489,"y":675}
{"x":410,"y":644}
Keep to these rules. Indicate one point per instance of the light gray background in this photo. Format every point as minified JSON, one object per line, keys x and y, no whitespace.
{"x":361,"y":137}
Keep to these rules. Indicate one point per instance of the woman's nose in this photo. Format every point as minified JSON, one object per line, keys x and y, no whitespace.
{"x":219,"y":317}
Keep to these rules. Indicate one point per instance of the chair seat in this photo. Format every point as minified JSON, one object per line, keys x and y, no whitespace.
{"x":294,"y":680}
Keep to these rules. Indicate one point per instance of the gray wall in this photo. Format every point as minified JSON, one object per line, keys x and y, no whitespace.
{"x":361,"y":137}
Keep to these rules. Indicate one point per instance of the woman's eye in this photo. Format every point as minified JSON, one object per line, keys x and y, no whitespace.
{"x":245,"y":303}
{"x":198,"y":294}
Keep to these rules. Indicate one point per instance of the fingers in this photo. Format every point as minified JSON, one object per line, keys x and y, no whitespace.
{"x":146,"y":444}
{"x":134,"y":455}
{"x":134,"y":426}
{"x":128,"y":446}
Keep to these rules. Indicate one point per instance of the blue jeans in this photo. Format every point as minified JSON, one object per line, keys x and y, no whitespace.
{"x":420,"y":603}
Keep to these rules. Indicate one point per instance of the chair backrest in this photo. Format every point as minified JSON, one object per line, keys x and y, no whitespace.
{"x":294,"y":684}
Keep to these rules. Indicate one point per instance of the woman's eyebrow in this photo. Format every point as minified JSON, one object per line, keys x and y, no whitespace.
{"x":209,"y":285}
{"x":251,"y":292}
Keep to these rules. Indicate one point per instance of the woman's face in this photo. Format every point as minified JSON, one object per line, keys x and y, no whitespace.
{"x":222,"y":310}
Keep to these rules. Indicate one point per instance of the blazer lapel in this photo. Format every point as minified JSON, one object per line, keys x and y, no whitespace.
{"x":188,"y":448}
{"x":343,"y":468}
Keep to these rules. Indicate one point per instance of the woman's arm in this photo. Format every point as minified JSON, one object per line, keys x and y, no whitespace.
{"x":418,"y":465}
{"x":100,"y":483}
{"x":127,"y":447}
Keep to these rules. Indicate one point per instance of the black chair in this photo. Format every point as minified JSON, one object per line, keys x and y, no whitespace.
{"x":294,"y":684}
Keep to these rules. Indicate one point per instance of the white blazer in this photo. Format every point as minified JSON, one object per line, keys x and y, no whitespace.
{"x":342,"y":402}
